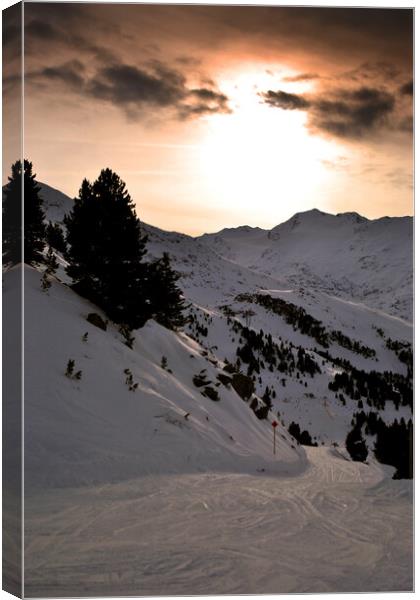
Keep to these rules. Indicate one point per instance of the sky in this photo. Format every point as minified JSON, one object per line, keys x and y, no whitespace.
{"x":220,"y":116}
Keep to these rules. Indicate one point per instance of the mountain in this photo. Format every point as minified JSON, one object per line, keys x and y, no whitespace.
{"x":225,"y":277}
{"x":346,"y":255}
{"x":152,"y":469}
{"x":231,"y":290}
{"x":56,"y":204}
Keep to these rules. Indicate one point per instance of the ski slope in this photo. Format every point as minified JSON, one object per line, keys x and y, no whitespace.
{"x":338,"y":527}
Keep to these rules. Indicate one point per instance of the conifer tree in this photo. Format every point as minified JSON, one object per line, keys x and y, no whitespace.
{"x":34,"y":227}
{"x":51,"y":266}
{"x":106,"y":249}
{"x":55,"y":237}
{"x":356,"y":445}
{"x":166,"y":301}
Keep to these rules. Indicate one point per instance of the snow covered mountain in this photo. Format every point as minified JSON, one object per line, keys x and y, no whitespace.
{"x":345,"y":255}
{"x":224,"y":276}
{"x":152,"y":466}
{"x":56,"y":204}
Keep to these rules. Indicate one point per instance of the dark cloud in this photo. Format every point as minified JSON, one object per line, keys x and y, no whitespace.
{"x":301,"y":77}
{"x":68,"y":73}
{"x":125,"y":84}
{"x":373,"y":47}
{"x":133,"y":89}
{"x":343,"y":113}
{"x":12,"y":34}
{"x":369,"y":72}
{"x":349,"y":35}
{"x":285,"y":100}
{"x":188,"y":61}
{"x":355,"y":114}
{"x":40,"y":35}
{"x":407,"y":89}
{"x":209,"y":95}
{"x":43,"y":30}
{"x":205,"y":101}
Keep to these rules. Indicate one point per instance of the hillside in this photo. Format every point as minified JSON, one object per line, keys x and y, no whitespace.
{"x":222,"y":291}
{"x":153,"y":470}
{"x":96,"y":430}
{"x":345,"y":255}
{"x":56,"y":204}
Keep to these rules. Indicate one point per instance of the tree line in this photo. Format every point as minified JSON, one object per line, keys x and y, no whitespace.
{"x":103,"y":244}
{"x":393,"y":442}
{"x":302,"y":321}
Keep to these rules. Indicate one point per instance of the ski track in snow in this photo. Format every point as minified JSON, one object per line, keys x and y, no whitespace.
{"x":339,"y":527}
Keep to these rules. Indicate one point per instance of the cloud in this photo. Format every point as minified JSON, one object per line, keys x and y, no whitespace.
{"x":204,"y":101}
{"x":188,"y":61}
{"x":285,"y":100}
{"x":301,"y":77}
{"x":400,"y":178}
{"x":126,"y":84}
{"x":407,"y":89}
{"x":134,"y":89}
{"x":68,"y":73}
{"x":351,"y":113}
{"x":43,"y":30}
{"x":41,"y":34}
{"x":354,"y":114}
{"x":369,"y":72}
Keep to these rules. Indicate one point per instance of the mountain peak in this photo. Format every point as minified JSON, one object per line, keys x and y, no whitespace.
{"x":56,"y":204}
{"x":352,"y":216}
{"x":309,"y":217}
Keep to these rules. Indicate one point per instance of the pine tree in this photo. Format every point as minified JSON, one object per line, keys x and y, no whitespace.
{"x":34,"y":241}
{"x":51,"y":266}
{"x":106,"y":249}
{"x":356,"y":445}
{"x":166,"y":301}
{"x":55,"y":237}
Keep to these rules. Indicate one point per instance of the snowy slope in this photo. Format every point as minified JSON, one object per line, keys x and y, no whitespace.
{"x":345,"y":255}
{"x":96,"y":430}
{"x":207,"y":278}
{"x":56,"y":204}
{"x":336,"y":528}
{"x":215,"y":270}
{"x":300,"y":398}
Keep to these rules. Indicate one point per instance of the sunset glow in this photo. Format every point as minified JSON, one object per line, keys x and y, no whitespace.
{"x":220,"y":116}
{"x":260,"y":154}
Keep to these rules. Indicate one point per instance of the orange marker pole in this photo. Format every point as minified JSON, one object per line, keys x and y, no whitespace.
{"x":274,"y":425}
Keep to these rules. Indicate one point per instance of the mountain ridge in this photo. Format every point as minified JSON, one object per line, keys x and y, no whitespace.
{"x":49,"y":191}
{"x":344,"y":255}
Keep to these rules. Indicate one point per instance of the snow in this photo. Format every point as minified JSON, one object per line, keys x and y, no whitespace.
{"x":96,"y":430}
{"x":164,"y":491}
{"x":55,"y":204}
{"x":345,"y":255}
{"x":336,"y":528}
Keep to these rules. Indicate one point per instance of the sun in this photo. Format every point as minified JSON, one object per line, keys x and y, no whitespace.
{"x":262,"y":158}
